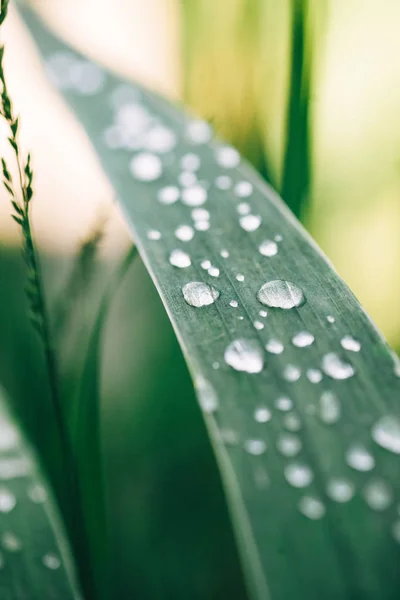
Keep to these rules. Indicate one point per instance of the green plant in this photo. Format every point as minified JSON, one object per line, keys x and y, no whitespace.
{"x":298,"y":389}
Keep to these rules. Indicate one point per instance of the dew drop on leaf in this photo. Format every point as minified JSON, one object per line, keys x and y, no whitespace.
{"x":239,"y":277}
{"x":179,"y":258}
{"x":233,"y":303}
{"x":288,"y":444}
{"x":184,"y":233}
{"x":245,"y":355}
{"x":314,"y":375}
{"x":198,"y":131}
{"x":213,"y":272}
{"x":243,"y":208}
{"x":386,"y":433}
{"x":262,"y":414}
{"x":250,"y":222}
{"x":335,"y":367}
{"x":329,"y":408}
{"x":340,"y":490}
{"x":274,"y":347}
{"x":37,"y":494}
{"x":311,"y":507}
{"x":200,"y":214}
{"x":198,"y":294}
{"x":358,"y":457}
{"x":207,"y":396}
{"x":190,"y":162}
{"x":7,"y":500}
{"x":263,"y":313}
{"x":268,"y":248}
{"x":154,"y":235}
{"x":194,"y":195}
{"x":51,"y":561}
{"x":146,"y":167}
{"x":258,"y":325}
{"x":378,"y":494}
{"x":224,"y":253}
{"x":283,"y":403}
{"x":255,"y":447}
{"x":187,"y":178}
{"x":292,"y":422}
{"x":8,"y":436}
{"x":243,"y":189}
{"x":349,"y":343}
{"x":298,"y":475}
{"x":396,"y":531}
{"x":205,"y":264}
{"x":330,"y":319}
{"x":227,"y":157}
{"x":160,"y":139}
{"x":302,"y":339}
{"x":10,"y":542}
{"x":291,"y":373}
{"x":168,"y":194}
{"x":223,"y":182}
{"x":281,"y":294}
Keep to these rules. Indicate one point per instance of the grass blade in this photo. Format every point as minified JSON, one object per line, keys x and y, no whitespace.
{"x":306,"y":432}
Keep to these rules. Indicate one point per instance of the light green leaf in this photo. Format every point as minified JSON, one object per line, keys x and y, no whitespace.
{"x":35,"y":559}
{"x":300,"y":392}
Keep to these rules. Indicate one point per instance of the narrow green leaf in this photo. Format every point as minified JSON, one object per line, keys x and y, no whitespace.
{"x":299,"y":390}
{"x":34,"y":554}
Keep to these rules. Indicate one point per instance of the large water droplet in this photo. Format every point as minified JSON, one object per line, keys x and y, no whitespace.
{"x":179,"y":258}
{"x":281,"y":294}
{"x":7,"y":500}
{"x":195,"y":195}
{"x":255,"y":447}
{"x":302,"y":339}
{"x":184,"y":233}
{"x":298,"y":475}
{"x":378,"y":494}
{"x":274,"y":346}
{"x":358,"y":457}
{"x":386,"y":433}
{"x":340,"y":490}
{"x":311,"y":507}
{"x":329,"y":408}
{"x":349,"y":343}
{"x":335,"y":367}
{"x":245,"y":355}
{"x":146,"y":167}
{"x":197,"y":293}
{"x":168,"y":194}
{"x":227,"y":157}
{"x":268,"y":248}
{"x":250,"y":222}
{"x":288,"y":444}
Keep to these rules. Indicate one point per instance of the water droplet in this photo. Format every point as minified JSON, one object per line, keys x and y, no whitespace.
{"x":330,"y":319}
{"x":179,"y":258}
{"x":281,"y":294}
{"x":239,"y":277}
{"x":194,"y":195}
{"x":396,"y":531}
{"x":340,"y":490}
{"x":51,"y":561}
{"x":213,"y":272}
{"x":303,"y":339}
{"x":205,"y":264}
{"x":198,"y":131}
{"x":11,"y":468}
{"x":378,"y":494}
{"x":335,"y":367}
{"x":197,"y":293}
{"x":215,"y":365}
{"x":263,"y":313}
{"x":146,"y":167}
{"x":88,"y":79}
{"x":288,"y":444}
{"x":224,"y":253}
{"x":228,"y":437}
{"x":160,"y":139}
{"x":245,"y":355}
{"x":200,"y":214}
{"x":207,"y":396}
{"x":227,"y":157}
{"x":233,"y":303}
{"x":187,"y":178}
{"x":9,"y":437}
{"x":202,"y":225}
{"x":255,"y":447}
{"x":37,"y":494}
{"x":268,"y":248}
{"x":190,"y":162}
{"x":7,"y":500}
{"x":396,"y":369}
{"x":243,"y":208}
{"x":314,"y":375}
{"x":278,"y":238}
{"x":349,"y":343}
{"x":154,"y":235}
{"x":261,"y":479}
{"x":386,"y":433}
{"x":258,"y":325}
{"x":10,"y":542}
{"x":250,"y":222}
{"x":274,"y":347}
{"x":168,"y":194}
{"x":223,"y":182}
{"x":291,"y":373}
{"x":358,"y":457}
{"x":298,"y":475}
{"x":292,"y":422}
{"x":243,"y":189}
{"x":329,"y":408}
{"x":262,"y":414}
{"x":311,"y":507}
{"x":184,"y":233}
{"x":284,"y":403}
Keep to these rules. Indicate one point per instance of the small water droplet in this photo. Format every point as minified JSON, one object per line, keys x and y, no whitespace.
{"x":335,"y":367}
{"x":190,"y":162}
{"x":160,"y":139}
{"x":233,"y":303}
{"x":330,"y":319}
{"x":288,"y":444}
{"x":255,"y":447}
{"x":184,"y":233}
{"x":358,"y":457}
{"x":223,"y":182}
{"x":37,"y":494}
{"x":340,"y":490}
{"x":292,"y":422}
{"x":198,"y":294}
{"x":245,"y":355}
{"x":154,"y":235}
{"x":11,"y":468}
{"x":298,"y":475}
{"x":227,"y":157}
{"x":314,"y":375}
{"x":291,"y":373}
{"x":10,"y":542}
{"x":268,"y":248}
{"x":349,"y":343}
{"x":274,"y":347}
{"x":243,"y":189}
{"x":51,"y":561}
{"x":207,"y":396}
{"x":202,"y":225}
{"x":386,"y":433}
{"x":205,"y":264}
{"x":284,"y":403}
{"x":239,"y":277}
{"x":213,"y":272}
{"x":311,"y":507}
{"x":195,"y":195}
{"x":281,"y":294}
{"x":250,"y":222}
{"x":198,"y":131}
{"x":168,"y":194}
{"x":7,"y":500}
{"x":303,"y":339}
{"x":258,"y":325}
{"x":9,"y":437}
{"x":278,"y":238}
{"x":261,"y":479}
{"x":263,"y":313}
{"x":262,"y":414}
{"x":215,"y":365}
{"x":200,"y":214}
{"x":396,"y":531}
{"x":224,"y":253}
{"x":187,"y":178}
{"x":378,"y":494}
{"x":228,"y":437}
{"x":179,"y":258}
{"x":329,"y":408}
{"x":243,"y":208}
{"x":146,"y":167}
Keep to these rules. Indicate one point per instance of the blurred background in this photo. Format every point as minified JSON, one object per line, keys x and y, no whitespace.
{"x":229,"y":61}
